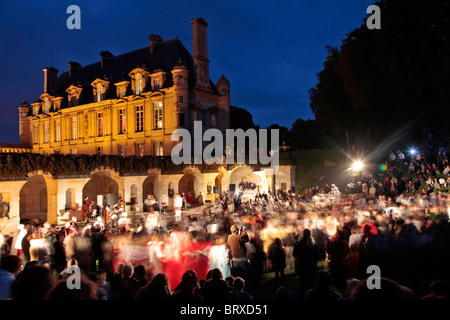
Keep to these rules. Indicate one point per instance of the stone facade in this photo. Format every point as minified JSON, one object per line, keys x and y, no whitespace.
{"x":129,"y":104}
{"x":42,"y":196}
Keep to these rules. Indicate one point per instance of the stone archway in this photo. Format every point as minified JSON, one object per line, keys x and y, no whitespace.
{"x":245,"y":174}
{"x":102,"y":184}
{"x":191,"y":184}
{"x":152,"y":185}
{"x":38,"y":199}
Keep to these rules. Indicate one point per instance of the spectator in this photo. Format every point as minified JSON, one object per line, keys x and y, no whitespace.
{"x":323,"y":291}
{"x":9,"y":269}
{"x":238,"y":292}
{"x":277,"y":256}
{"x":215,"y":288}
{"x":187,"y":287}
{"x":34,"y":284}
{"x":306,"y":257}
{"x":87,"y":291}
{"x":157,"y":289}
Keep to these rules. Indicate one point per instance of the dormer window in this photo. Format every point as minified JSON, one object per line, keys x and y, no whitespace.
{"x":73,"y":95}
{"x":100,"y":88}
{"x":46,"y":105}
{"x":138,"y":84}
{"x":99,"y":92}
{"x":121,"y":92}
{"x":156,"y":85}
{"x":139,"y":78}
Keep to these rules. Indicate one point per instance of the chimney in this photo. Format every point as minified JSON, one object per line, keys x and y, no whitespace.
{"x":200,"y":53}
{"x":50,"y":76}
{"x":199,"y":37}
{"x":104,"y":56}
{"x":73,"y":67}
{"x":154,"y":41}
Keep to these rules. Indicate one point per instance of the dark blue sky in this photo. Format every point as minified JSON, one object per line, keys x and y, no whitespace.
{"x":270,"y":51}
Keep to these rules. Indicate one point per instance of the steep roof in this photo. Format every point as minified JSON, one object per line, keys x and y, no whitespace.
{"x":115,"y":69}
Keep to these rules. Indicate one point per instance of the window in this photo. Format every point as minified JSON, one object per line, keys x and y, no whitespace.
{"x":180,"y":80}
{"x":181,"y":119}
{"x":46,"y":105}
{"x":159,"y":148}
{"x":73,"y":151}
{"x":72,"y":99}
{"x":46,"y":132}
{"x":157,"y":107}
{"x":138,"y":84}
{"x":156,"y":85}
{"x":99,"y":92}
{"x":139,"y":149}
{"x":180,"y":99}
{"x":36,"y":133}
{"x":193,"y":117}
{"x":121,"y":92}
{"x":139,"y":118}
{"x":74,"y":128}
{"x":224,"y":92}
{"x":212,"y":120}
{"x":57,"y":130}
{"x":100,"y":150}
{"x":100,"y":124}
{"x":122,"y":150}
{"x":122,"y":121}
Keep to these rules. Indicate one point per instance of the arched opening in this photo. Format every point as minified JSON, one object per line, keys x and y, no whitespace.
{"x":33,"y":200}
{"x":104,"y":186}
{"x":246,"y":182}
{"x":70,"y":198}
{"x":218,"y":183}
{"x":188,"y":186}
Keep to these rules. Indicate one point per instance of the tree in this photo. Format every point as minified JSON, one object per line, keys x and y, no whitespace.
{"x":240,"y":118}
{"x":394,"y":79}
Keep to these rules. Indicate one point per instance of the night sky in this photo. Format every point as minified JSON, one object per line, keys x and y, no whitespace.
{"x":270,"y":51}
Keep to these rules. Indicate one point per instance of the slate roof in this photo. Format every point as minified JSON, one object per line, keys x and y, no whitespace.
{"x":115,"y":69}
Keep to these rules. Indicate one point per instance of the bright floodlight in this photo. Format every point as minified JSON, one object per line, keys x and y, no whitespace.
{"x":413,"y":151}
{"x":357,"y":165}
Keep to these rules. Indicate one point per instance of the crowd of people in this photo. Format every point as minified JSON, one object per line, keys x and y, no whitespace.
{"x":327,"y":238}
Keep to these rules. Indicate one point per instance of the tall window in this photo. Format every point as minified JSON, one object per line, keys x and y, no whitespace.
{"x":156,"y":85}
{"x":46,"y":105}
{"x":36,"y":133}
{"x":72,"y":99}
{"x":159,"y":148}
{"x":139,"y":118}
{"x":99,"y":92}
{"x":46,"y":132}
{"x":57,"y":130}
{"x":138,"y":84}
{"x":139,"y":149}
{"x":100,"y":150}
{"x":122,"y":150}
{"x":100,"y":124}
{"x":74,"y":128}
{"x":180,"y":99}
{"x":121,"y":92}
{"x":181,"y":119}
{"x":212,"y":120}
{"x":122,"y":121}
{"x":193,"y":117}
{"x":158,"y":123}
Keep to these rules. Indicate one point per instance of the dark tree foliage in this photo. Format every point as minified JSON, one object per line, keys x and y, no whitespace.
{"x":240,"y":118}
{"x":391,"y":83}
